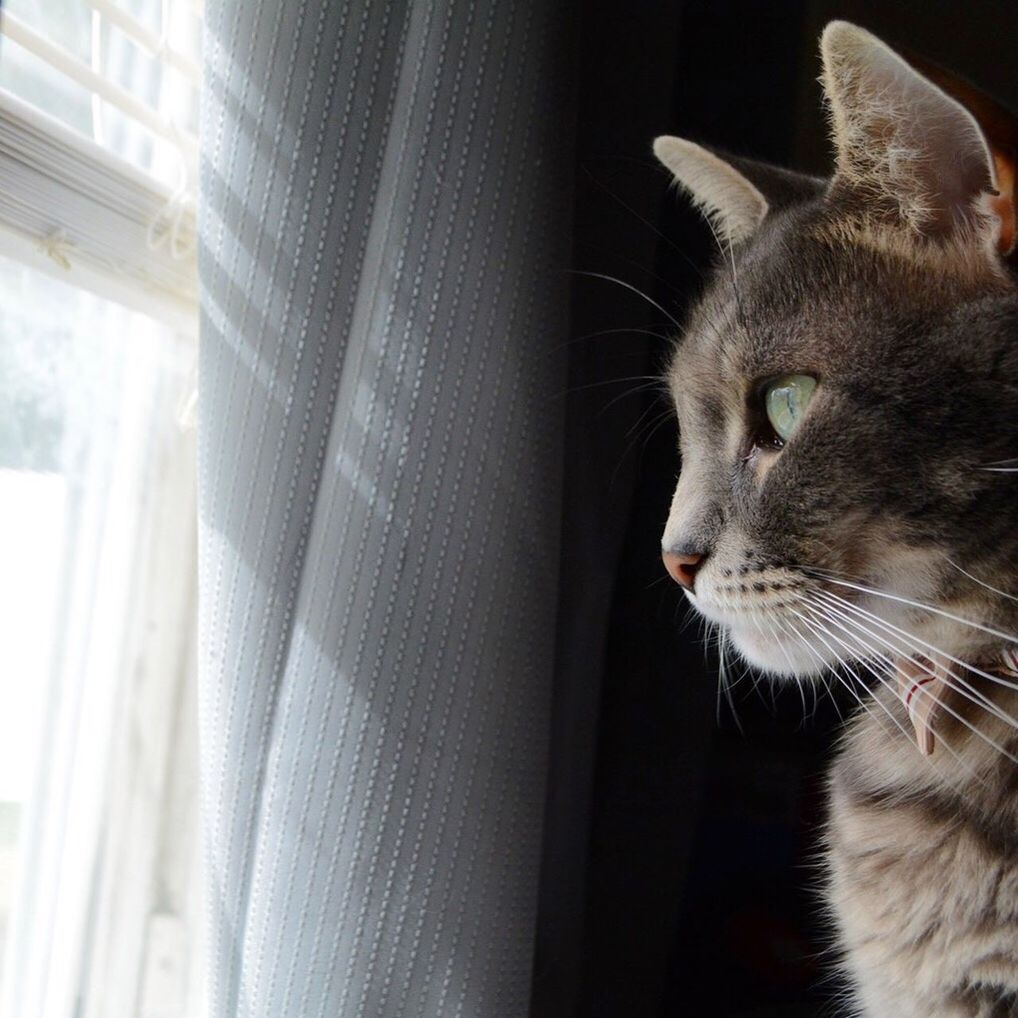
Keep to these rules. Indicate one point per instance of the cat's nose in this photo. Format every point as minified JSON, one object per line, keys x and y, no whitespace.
{"x":683,"y":566}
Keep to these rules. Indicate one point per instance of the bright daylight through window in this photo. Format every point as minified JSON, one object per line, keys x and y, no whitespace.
{"x":99,"y":883}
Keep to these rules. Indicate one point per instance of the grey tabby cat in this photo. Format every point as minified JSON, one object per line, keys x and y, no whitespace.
{"x":847,"y":395}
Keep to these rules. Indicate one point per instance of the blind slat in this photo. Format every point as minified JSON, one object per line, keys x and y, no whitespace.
{"x":147,"y":39}
{"x":73,"y":208}
{"x":68,"y":65}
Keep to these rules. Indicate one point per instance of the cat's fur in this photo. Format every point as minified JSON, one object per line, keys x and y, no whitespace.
{"x":891,"y":284}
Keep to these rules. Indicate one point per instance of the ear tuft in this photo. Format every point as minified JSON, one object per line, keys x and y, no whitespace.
{"x":732,"y":204}
{"x":902,"y":143}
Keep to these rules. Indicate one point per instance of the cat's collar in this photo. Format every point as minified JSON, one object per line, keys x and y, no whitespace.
{"x":925,"y":689}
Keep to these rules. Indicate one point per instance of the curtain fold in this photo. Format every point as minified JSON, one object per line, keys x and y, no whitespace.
{"x":384,"y":231}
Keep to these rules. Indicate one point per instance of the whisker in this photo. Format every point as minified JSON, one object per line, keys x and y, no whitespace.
{"x":824,"y":668}
{"x":715,"y":631}
{"x":859,"y":697}
{"x":1010,"y":637}
{"x":975,"y":579}
{"x":851,"y":671}
{"x":646,"y":222}
{"x":723,"y":678}
{"x":727,"y":250}
{"x":917,"y":643}
{"x":610,"y":332}
{"x":658,"y":582}
{"x":775,"y":624}
{"x":791,"y":669}
{"x":827,"y":670}
{"x":1008,"y":466}
{"x":691,"y":616}
{"x":650,"y":430}
{"x":643,"y":417}
{"x":792,"y":672}
{"x":883,"y":681}
{"x":943,"y":706}
{"x":629,"y":286}
{"x":649,"y":380}
{"x":802,"y":694}
{"x":706,"y":634}
{"x":964,"y":688}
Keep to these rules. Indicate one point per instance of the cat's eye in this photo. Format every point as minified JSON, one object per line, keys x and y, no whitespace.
{"x":785,"y":400}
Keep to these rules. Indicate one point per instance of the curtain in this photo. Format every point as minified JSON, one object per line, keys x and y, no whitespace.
{"x":384,"y":234}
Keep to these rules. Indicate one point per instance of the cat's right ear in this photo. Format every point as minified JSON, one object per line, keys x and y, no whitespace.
{"x":732,"y":205}
{"x":734,"y":194}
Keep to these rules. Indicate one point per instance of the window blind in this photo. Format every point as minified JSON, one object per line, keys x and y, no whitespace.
{"x":98,"y":146}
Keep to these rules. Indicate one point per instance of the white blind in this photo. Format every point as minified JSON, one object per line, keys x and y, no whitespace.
{"x":98,"y":144}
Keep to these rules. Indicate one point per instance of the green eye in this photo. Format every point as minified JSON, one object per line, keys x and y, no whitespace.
{"x":786,"y":399}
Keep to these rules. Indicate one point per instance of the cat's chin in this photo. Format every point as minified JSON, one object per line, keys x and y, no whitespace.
{"x":776,"y":655}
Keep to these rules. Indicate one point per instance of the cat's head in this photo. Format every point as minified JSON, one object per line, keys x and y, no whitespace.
{"x":847,"y":385}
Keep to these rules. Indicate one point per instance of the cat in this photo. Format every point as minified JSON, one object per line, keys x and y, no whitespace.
{"x":847,"y":396}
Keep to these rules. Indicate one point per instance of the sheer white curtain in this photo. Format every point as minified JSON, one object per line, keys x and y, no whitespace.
{"x":97,"y":599}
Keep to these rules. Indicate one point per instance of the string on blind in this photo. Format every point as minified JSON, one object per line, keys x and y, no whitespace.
{"x":71,"y":208}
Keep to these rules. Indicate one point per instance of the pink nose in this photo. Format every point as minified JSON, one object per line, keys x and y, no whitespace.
{"x":682,"y":568}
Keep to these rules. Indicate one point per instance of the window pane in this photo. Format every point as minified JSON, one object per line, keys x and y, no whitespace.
{"x":90,"y":398}
{"x":65,"y":22}
{"x":100,"y":45}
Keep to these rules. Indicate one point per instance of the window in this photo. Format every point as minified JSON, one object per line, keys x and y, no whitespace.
{"x":99,"y":882}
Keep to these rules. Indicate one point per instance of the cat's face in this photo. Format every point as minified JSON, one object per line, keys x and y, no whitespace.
{"x":878,"y":522}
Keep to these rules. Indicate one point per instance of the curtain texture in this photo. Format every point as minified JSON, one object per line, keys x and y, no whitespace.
{"x":384,"y":234}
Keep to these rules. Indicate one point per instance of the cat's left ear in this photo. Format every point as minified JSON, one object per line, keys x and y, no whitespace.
{"x":733,"y":193}
{"x":908,"y":149}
